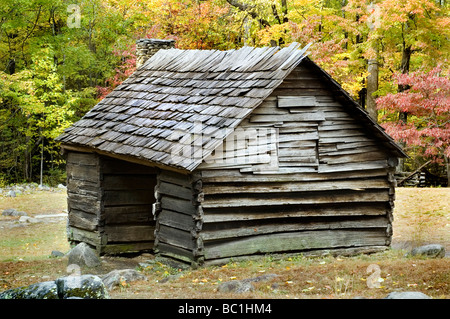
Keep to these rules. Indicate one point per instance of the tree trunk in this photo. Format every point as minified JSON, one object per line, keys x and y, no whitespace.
{"x":447,"y":164}
{"x":372,"y":87}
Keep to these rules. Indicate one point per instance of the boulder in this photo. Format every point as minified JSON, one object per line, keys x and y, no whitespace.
{"x":245,"y":285}
{"x":407,"y":295}
{"x":42,"y":290}
{"x":70,"y":287}
{"x":116,"y":277}
{"x":27,"y":219}
{"x":430,"y":251}
{"x":56,"y":254}
{"x":84,"y":287}
{"x":13,"y":212}
{"x":83,"y":255}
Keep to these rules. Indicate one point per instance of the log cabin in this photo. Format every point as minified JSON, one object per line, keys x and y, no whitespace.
{"x":203,"y":156}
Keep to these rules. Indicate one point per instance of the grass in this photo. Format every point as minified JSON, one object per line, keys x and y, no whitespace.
{"x":421,"y":216}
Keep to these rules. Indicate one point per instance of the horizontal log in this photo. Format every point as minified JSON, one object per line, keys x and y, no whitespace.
{"x":128,"y":182}
{"x":83,"y":220}
{"x":352,"y":158}
{"x":83,"y":187}
{"x":334,"y":151}
{"x":221,"y":214}
{"x":175,"y":190}
{"x":175,"y":237}
{"x":132,"y":233}
{"x":369,"y":165}
{"x":294,"y":241}
{"x":178,"y":205}
{"x":176,"y":220}
{"x":246,"y":230}
{"x":113,"y":249}
{"x":82,"y":159}
{"x":185,"y":255}
{"x":352,"y":251}
{"x":217,"y":176}
{"x":175,"y":178}
{"x":115,"y":166}
{"x":93,"y":238}
{"x":378,"y":183}
{"x":295,"y":199}
{"x":83,"y":173}
{"x":85,"y":203}
{"x":128,"y":214}
{"x":131,"y":197}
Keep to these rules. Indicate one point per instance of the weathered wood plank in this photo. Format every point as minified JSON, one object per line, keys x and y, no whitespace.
{"x":351,"y":158}
{"x":316,"y":116}
{"x":131,"y":197}
{"x":83,"y":159}
{"x":83,"y":220}
{"x":296,"y":101}
{"x":225,"y":176}
{"x":296,"y":198}
{"x":276,"y":227}
{"x":81,"y":172}
{"x":243,"y":214}
{"x":115,"y":166}
{"x":128,"y":182}
{"x":175,"y":190}
{"x":378,"y":183}
{"x":325,"y":168}
{"x":176,"y":220}
{"x":176,"y":237}
{"x":295,"y":241}
{"x":114,"y":248}
{"x":178,"y":205}
{"x":128,"y":214}
{"x":133,"y":233}
{"x":85,"y":203}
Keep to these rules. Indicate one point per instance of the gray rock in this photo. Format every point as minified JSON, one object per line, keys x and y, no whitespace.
{"x":115,"y":277}
{"x":245,"y":285}
{"x":236,"y":286}
{"x":11,"y":193}
{"x":83,"y":255}
{"x":407,"y":295}
{"x":56,"y":254}
{"x":27,"y":219}
{"x":431,"y":251}
{"x":84,"y":286}
{"x":42,"y":290}
{"x":13,"y":212}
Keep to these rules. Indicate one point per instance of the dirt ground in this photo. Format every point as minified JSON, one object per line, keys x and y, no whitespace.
{"x":421,"y":216}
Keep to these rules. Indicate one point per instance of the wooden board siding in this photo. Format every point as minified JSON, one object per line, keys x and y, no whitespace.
{"x":110,"y":203}
{"x":331,"y":188}
{"x":84,"y":198}
{"x":178,"y":217}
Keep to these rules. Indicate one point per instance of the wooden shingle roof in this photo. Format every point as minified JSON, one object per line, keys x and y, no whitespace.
{"x":147,"y":115}
{"x":179,"y":95}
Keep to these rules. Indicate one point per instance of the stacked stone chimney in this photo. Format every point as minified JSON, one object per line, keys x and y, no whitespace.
{"x":145,"y":48}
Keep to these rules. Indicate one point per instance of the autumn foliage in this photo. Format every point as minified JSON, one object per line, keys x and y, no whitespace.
{"x":427,"y":104}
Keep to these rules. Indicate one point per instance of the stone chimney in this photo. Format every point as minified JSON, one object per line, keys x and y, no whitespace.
{"x":145,"y":48}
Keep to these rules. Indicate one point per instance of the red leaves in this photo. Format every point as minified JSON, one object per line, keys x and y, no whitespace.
{"x":427,"y":102}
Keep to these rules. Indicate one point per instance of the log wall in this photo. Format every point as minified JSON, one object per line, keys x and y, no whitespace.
{"x":331,"y":188}
{"x":178,"y":217}
{"x":110,"y":203}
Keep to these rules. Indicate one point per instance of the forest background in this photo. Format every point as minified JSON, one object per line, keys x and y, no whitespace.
{"x":58,"y":58}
